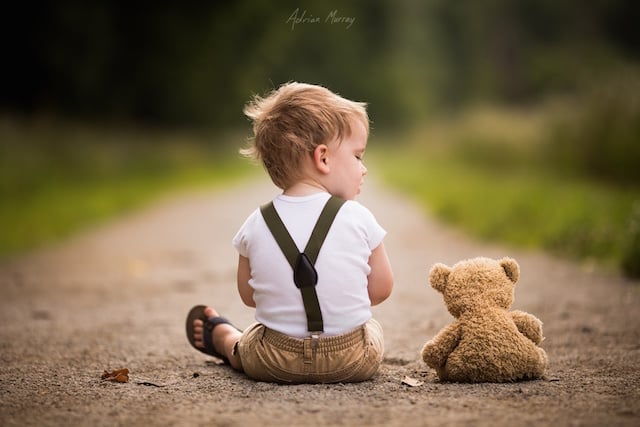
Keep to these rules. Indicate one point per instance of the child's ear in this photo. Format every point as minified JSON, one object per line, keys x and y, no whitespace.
{"x":321,"y":158}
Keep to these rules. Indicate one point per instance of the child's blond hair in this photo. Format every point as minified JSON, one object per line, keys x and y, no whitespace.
{"x":290,"y":122}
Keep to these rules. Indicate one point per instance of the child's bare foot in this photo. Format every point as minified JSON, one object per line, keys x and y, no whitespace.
{"x":198,"y":328}
{"x":223,"y":338}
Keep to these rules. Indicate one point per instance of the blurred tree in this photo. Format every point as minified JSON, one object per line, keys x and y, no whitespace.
{"x":197,"y":63}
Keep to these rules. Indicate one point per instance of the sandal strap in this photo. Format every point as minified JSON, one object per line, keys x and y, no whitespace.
{"x":209,"y":325}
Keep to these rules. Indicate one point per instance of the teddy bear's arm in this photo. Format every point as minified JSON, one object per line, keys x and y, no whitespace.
{"x":529,"y":325}
{"x":436,"y":351}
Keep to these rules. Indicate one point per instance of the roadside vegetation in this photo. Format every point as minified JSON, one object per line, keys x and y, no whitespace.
{"x":58,"y":177}
{"x":562,"y":178}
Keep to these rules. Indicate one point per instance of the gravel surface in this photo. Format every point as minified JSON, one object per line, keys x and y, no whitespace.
{"x":117,"y":296}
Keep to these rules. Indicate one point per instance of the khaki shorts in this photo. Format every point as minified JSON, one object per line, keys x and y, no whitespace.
{"x":270,"y":356}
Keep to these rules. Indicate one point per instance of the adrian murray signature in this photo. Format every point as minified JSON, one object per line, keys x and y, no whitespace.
{"x":301,"y":17}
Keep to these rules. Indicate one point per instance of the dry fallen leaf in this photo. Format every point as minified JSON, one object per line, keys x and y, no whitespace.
{"x":412,"y":382}
{"x":119,"y":375}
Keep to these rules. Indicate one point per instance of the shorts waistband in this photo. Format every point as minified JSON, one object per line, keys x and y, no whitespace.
{"x":334,"y":343}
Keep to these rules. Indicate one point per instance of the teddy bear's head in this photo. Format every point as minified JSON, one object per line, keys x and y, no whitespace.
{"x":476,"y":283}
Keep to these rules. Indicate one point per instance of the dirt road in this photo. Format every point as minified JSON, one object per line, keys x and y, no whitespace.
{"x":116,"y":297}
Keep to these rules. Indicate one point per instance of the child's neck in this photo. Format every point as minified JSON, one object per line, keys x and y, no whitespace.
{"x":304,"y":188}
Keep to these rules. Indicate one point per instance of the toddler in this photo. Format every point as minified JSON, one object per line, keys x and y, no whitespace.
{"x":312,"y":262}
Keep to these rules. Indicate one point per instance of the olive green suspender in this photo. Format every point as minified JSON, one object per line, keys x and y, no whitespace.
{"x":304,"y":274}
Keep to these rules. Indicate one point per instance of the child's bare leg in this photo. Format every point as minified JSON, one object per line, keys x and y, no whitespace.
{"x":225,"y":337}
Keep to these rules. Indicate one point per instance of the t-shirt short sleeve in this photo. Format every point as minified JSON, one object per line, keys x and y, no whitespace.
{"x":241,"y":239}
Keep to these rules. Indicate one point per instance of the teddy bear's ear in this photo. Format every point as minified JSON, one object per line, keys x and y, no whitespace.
{"x":511,"y":268}
{"x":438,"y":276}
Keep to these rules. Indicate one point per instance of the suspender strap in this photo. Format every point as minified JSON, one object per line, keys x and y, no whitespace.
{"x":304,"y":273}
{"x":322,"y":227}
{"x":280,"y":233}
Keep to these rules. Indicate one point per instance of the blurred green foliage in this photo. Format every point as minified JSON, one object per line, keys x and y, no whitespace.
{"x":600,"y":136}
{"x":197,"y":63}
{"x":488,"y":172}
{"x":561,"y":147}
{"x":56,"y":178}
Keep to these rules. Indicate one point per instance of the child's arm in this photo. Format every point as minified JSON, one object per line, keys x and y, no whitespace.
{"x":244,"y":274}
{"x":380,"y":277}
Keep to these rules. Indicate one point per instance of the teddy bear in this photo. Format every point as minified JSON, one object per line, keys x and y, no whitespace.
{"x":486,"y":342}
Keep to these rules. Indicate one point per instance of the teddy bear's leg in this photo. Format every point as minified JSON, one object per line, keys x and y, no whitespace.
{"x":537,"y":364}
{"x":442,"y":373}
{"x":543,"y":362}
{"x":460,"y":368}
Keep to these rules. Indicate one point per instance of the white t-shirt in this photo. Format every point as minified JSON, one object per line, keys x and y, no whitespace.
{"x":342,"y":265}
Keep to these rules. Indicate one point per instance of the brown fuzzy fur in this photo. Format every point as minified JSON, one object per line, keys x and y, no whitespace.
{"x":486,"y":342}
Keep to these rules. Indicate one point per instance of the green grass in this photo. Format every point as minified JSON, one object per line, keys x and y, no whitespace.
{"x":488,"y":172}
{"x":58,"y":178}
{"x":489,"y":178}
